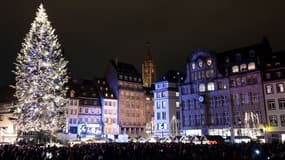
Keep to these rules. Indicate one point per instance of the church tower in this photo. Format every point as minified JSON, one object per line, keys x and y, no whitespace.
{"x":148,"y":68}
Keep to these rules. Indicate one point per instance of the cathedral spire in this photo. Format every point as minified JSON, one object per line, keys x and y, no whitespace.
{"x":149,"y":51}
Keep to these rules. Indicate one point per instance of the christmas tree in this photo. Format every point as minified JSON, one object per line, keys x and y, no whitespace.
{"x":41,"y":77}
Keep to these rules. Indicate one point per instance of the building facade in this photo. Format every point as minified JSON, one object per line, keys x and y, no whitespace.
{"x":8,"y":128}
{"x":223,"y":93}
{"x":167,"y":107}
{"x":84,"y":117}
{"x":274,"y":92}
{"x":148,"y":68}
{"x":126,"y":82}
{"x":109,"y":107}
{"x":204,"y":97}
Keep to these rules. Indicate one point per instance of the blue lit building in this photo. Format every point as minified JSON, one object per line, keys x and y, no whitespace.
{"x":166,"y":104}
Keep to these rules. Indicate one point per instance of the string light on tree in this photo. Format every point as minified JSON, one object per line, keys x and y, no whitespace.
{"x":41,"y":77}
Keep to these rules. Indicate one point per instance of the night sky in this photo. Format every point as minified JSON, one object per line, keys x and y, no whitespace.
{"x":93,"y":32}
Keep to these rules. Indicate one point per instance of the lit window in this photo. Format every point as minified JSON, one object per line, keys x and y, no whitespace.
{"x":211,"y":86}
{"x":177,"y":104}
{"x":164,"y":94}
{"x":209,"y":62}
{"x":202,"y":87}
{"x":200,"y":63}
{"x":235,"y":69}
{"x":269,"y":89}
{"x":177,"y":94}
{"x":251,"y":66}
{"x":163,"y":104}
{"x":280,"y":87}
{"x":193,"y":66}
{"x":243,"y":67}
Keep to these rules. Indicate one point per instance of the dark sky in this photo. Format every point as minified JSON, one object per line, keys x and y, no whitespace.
{"x":92,"y":32}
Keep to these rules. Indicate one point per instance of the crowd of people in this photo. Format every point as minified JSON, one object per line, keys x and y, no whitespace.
{"x":145,"y":151}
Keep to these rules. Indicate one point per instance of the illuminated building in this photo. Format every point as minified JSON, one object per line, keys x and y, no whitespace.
{"x":109,"y":107}
{"x":223,"y":93}
{"x":274,"y":92}
{"x":204,"y":97}
{"x":84,"y":119}
{"x":126,"y":82}
{"x":148,"y":69}
{"x":8,"y":128}
{"x":166,"y":100}
{"x":243,"y":67}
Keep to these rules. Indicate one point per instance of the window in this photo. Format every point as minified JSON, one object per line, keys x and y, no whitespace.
{"x":157,"y":86}
{"x":177,"y":104}
{"x":211,"y":86}
{"x":281,"y":103}
{"x":158,"y":115}
{"x":271,"y":105}
{"x":209,"y":62}
{"x":164,"y":94}
{"x":278,"y":74}
{"x":80,"y":110}
{"x":273,"y":120}
{"x":280,"y":87}
{"x":177,"y":94}
{"x":267,"y":75}
{"x":74,"y":121}
{"x":269,"y":89}
{"x":202,"y":87}
{"x":163,"y":104}
{"x":243,"y":67}
{"x":163,"y":115}
{"x":158,"y":105}
{"x":193,"y":66}
{"x":70,"y":121}
{"x":251,"y":66}
{"x":200,"y":63}
{"x":282,"y":120}
{"x":235,"y":69}
{"x":86,"y":110}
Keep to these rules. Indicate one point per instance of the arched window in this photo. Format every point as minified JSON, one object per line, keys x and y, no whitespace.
{"x":243,"y":67}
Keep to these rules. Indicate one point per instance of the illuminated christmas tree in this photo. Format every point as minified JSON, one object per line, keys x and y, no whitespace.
{"x":41,"y":77}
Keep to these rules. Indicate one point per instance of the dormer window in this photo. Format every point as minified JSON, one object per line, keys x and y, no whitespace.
{"x":251,"y":66}
{"x":243,"y":67}
{"x":235,"y":69}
